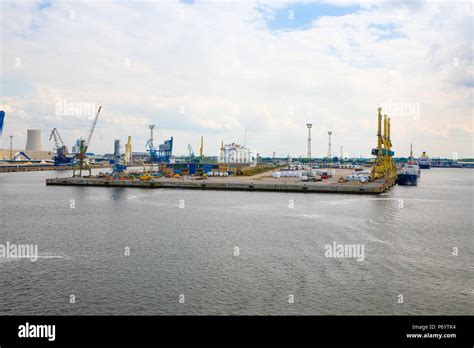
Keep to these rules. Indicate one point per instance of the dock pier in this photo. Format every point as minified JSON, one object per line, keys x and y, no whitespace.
{"x":231,"y":184}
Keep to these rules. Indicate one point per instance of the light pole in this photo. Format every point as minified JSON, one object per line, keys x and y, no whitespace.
{"x":329,"y":145}
{"x":11,"y":147}
{"x":309,"y":125}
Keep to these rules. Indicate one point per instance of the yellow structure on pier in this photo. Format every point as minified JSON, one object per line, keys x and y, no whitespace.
{"x":383,"y":167}
{"x":127,"y":160}
{"x":201,"y":149}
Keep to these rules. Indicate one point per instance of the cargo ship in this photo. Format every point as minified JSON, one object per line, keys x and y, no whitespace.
{"x":424,"y":161}
{"x":410,"y":172}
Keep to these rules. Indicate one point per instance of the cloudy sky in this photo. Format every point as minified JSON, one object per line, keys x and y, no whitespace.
{"x":216,"y":69}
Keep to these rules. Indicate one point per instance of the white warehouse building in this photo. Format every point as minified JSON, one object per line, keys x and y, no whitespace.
{"x":234,"y":153}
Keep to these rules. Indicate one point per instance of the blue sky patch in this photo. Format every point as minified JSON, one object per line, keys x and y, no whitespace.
{"x":300,"y":16}
{"x":14,"y":85}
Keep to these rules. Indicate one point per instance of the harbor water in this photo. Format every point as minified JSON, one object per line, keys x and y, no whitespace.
{"x":179,"y":252}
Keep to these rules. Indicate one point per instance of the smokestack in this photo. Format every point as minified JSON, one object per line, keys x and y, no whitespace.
{"x":33,"y":140}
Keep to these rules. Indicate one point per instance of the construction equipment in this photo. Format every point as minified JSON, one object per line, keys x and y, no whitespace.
{"x":383,"y":167}
{"x":81,"y":158}
{"x":161,"y":154}
{"x":61,"y":157}
{"x":146,"y":176}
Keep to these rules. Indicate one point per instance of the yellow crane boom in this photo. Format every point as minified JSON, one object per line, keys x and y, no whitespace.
{"x":201,"y":149}
{"x":128,"y":151}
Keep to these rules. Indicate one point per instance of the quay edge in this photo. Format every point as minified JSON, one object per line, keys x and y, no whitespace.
{"x":376,"y":187}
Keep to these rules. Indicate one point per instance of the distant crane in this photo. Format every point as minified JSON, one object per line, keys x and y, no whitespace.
{"x":201,"y":149}
{"x":383,"y":167}
{"x":163,"y":152}
{"x":57,"y":138}
{"x":128,"y":152}
{"x":11,"y":147}
{"x":84,"y":145}
{"x":61,"y":150}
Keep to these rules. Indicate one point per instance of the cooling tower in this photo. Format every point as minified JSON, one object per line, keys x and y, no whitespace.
{"x":33,"y":140}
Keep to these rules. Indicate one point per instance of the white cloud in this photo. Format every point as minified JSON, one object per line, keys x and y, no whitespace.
{"x":146,"y":62}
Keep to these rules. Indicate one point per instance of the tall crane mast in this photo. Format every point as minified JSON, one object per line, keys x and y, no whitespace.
{"x":128,"y":152}
{"x":201,"y":149}
{"x":92,"y":129}
{"x":61,"y":156}
{"x":58,"y":141}
{"x":84,"y":145}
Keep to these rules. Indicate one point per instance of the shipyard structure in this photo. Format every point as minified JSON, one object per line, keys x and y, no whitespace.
{"x":234,"y":153}
{"x":32,"y":152}
{"x":236,"y":168}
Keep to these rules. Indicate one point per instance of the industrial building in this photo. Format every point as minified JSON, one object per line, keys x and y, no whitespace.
{"x":76,"y":148}
{"x":33,"y":140}
{"x":32,"y":150}
{"x":234,"y":153}
{"x":7,"y":154}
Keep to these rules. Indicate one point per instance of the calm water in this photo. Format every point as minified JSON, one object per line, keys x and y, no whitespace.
{"x":408,"y":250}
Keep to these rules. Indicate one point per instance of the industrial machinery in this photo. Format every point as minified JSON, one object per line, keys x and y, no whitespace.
{"x":21,"y":153}
{"x":121,"y":162}
{"x":119,"y":168}
{"x":383,"y":167}
{"x":146,"y":176}
{"x":61,"y":157}
{"x":81,"y":159}
{"x":128,"y":152}
{"x":162,"y":153}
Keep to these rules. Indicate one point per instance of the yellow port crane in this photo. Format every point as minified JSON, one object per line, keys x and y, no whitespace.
{"x":201,"y":149}
{"x":82,"y":162}
{"x":389,"y":155}
{"x":128,"y":152}
{"x":383,"y":167}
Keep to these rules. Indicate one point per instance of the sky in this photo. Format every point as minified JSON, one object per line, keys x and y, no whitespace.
{"x":253,"y":72}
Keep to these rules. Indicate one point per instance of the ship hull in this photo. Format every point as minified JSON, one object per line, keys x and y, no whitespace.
{"x":424,"y":166}
{"x":407,"y":179}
